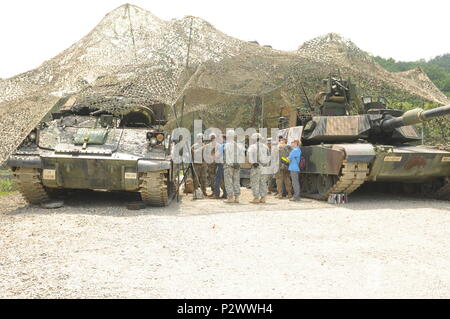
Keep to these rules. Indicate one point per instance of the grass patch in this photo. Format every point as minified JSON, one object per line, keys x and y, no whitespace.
{"x":7,"y":185}
{"x":5,"y":172}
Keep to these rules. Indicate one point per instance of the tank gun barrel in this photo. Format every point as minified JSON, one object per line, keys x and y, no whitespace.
{"x":439,"y":111}
{"x":414,"y":116}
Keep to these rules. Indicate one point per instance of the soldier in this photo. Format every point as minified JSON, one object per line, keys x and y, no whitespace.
{"x":271,"y":183}
{"x":233,"y":154}
{"x":199,"y":164}
{"x":219,"y":180}
{"x":258,"y":155}
{"x":212,"y":167}
{"x":282,"y":176}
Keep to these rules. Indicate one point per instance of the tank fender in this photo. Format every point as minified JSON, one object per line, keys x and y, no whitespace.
{"x":322,"y":160}
{"x":24,"y":161}
{"x":364,"y":153}
{"x":151,"y":165}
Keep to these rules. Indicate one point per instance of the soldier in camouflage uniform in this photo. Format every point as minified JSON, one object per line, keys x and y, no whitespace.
{"x":212,"y":167}
{"x":283,"y":177}
{"x":258,"y":156}
{"x":233,"y":153}
{"x":271,"y":183}
{"x":200,"y":166}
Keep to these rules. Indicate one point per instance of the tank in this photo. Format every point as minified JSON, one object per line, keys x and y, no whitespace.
{"x":80,"y":147}
{"x":377,"y":146}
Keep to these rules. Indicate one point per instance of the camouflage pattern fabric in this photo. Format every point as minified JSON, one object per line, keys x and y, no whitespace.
{"x":271,"y":183}
{"x":258,"y":153}
{"x":283,"y":151}
{"x":134,"y":58}
{"x":283,"y":178}
{"x":232,"y":180}
{"x":212,"y":174}
{"x":210,"y":150}
{"x":197,"y":153}
{"x":201,"y":170}
{"x":258,"y":182}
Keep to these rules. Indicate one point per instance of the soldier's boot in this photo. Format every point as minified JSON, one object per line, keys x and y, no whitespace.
{"x":229,"y":200}
{"x":263,"y":199}
{"x":289,"y":195}
{"x":254,"y":201}
{"x":279,"y":196}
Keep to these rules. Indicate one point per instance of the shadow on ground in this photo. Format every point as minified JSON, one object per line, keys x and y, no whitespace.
{"x":114,"y":204}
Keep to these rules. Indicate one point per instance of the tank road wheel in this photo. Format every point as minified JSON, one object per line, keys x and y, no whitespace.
{"x":443,"y":192}
{"x":438,"y":189}
{"x":409,"y":188}
{"x":30,"y":185}
{"x":325,"y":183}
{"x":310,"y":184}
{"x":394,"y":188}
{"x":303,"y":184}
{"x":154,"y":188}
{"x":426,"y":188}
{"x":352,"y":176}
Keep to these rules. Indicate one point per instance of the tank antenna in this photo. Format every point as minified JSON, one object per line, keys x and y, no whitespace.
{"x":306,"y":96}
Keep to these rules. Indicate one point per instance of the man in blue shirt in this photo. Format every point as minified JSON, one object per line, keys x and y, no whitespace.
{"x":218,"y":181}
{"x":294,"y":168}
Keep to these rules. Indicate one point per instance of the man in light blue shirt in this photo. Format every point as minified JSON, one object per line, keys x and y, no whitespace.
{"x":218,"y":181}
{"x":294,"y":168}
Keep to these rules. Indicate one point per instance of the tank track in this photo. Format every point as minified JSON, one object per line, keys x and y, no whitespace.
{"x":444,"y":191}
{"x":437,"y":189}
{"x":154,"y":188}
{"x":353,"y":175}
{"x":30,"y":185}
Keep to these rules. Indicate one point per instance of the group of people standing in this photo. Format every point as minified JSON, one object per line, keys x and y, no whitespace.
{"x":222,"y":171}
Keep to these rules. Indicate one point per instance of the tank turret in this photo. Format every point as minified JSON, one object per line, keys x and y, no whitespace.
{"x":378,"y":125}
{"x":335,"y":100}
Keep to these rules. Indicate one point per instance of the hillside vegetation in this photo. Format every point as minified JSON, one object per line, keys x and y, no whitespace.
{"x":437,"y":69}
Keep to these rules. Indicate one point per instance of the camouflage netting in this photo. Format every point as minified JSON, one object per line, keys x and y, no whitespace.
{"x":132,"y":57}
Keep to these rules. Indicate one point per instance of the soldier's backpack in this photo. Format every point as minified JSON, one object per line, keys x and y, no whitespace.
{"x":302,"y":164}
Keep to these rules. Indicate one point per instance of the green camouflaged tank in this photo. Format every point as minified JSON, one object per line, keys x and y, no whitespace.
{"x":77,"y":147}
{"x":379,"y":146}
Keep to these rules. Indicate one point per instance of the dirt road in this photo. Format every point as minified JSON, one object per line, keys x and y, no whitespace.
{"x":94,"y":247}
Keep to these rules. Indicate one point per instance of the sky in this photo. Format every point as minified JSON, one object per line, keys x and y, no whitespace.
{"x":34,"y":31}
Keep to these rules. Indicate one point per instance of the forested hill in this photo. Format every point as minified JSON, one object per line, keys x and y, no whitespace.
{"x":437,"y":69}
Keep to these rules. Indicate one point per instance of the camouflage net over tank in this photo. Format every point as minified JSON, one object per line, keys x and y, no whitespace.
{"x":117,"y":95}
{"x":132,"y":57}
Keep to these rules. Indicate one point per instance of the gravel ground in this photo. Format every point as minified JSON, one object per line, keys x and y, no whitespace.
{"x":94,"y":247}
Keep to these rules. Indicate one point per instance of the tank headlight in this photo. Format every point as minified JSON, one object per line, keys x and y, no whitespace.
{"x":32,"y":136}
{"x":153,"y":141}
